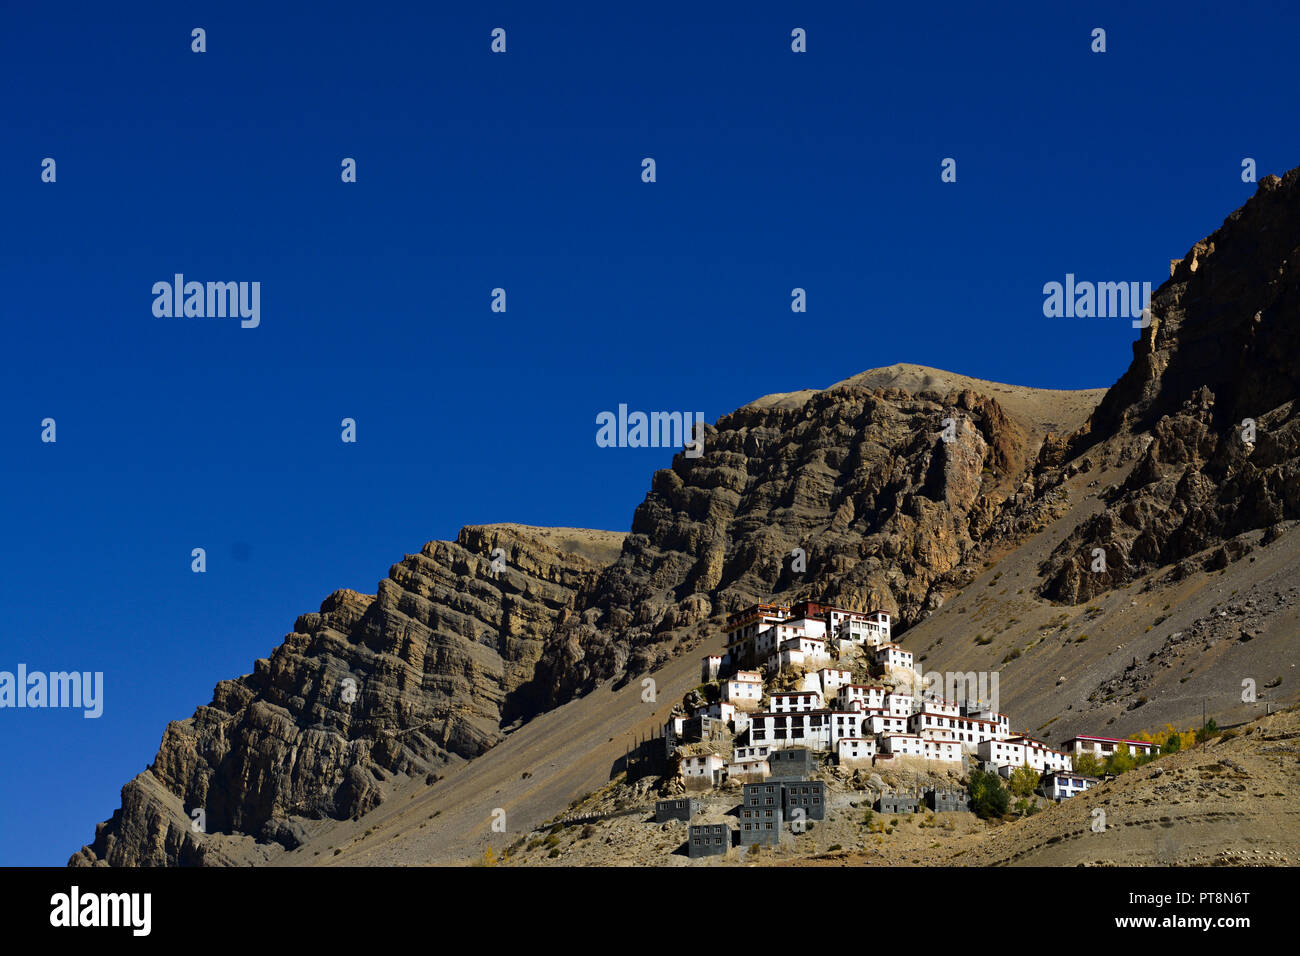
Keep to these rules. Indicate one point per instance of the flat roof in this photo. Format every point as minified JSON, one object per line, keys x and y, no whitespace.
{"x":1113,"y":740}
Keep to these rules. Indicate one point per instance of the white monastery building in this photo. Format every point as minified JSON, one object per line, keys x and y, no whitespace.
{"x":1102,"y":747}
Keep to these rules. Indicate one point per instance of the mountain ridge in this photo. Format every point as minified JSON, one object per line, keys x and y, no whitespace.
{"x":451,"y":653}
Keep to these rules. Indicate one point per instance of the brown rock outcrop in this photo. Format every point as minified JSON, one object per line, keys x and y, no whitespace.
{"x":1218,"y":363}
{"x":399,"y":682}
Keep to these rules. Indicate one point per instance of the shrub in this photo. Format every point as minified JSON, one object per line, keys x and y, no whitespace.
{"x":1121,"y":761}
{"x":1026,"y":807}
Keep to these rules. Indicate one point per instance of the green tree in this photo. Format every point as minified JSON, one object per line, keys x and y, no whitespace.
{"x":1172,"y":745}
{"x":1024,"y":781}
{"x":1208,"y":731}
{"x":988,"y":797}
{"x":1088,"y":765}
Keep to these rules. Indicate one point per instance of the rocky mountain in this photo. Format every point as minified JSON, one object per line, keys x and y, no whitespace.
{"x":1207,"y":411}
{"x":858,"y":477}
{"x":404,"y":681}
{"x":895,"y":489}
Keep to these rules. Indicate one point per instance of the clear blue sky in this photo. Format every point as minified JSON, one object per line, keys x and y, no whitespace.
{"x":520,"y":171}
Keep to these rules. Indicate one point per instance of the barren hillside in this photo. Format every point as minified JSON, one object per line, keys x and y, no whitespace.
{"x":974,"y":512}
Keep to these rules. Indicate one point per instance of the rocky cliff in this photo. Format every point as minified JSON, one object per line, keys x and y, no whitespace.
{"x":1207,"y":409}
{"x":450,"y":653}
{"x":887,"y":514}
{"x":403,"y":681}
{"x":892,"y":489}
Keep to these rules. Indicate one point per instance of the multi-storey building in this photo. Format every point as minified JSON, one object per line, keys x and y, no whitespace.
{"x":832,"y":679}
{"x":855,"y":750}
{"x":1103,"y":747}
{"x":1007,"y":755}
{"x":760,"y":814}
{"x":806,"y":652}
{"x":744,"y":689}
{"x":1061,"y":785}
{"x":743,"y":626}
{"x":878,"y":722}
{"x":795,"y":701}
{"x":902,"y":745}
{"x":868,"y":697}
{"x":900,"y":705}
{"x":679,"y":809}
{"x":941,"y":749}
{"x":706,"y":767}
{"x":890,"y":655}
{"x":756,"y":632}
{"x":969,"y":731}
{"x":708,"y":839}
{"x":792,"y":763}
{"x":808,"y":796}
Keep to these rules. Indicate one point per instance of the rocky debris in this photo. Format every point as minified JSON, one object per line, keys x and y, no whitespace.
{"x":290,"y":834}
{"x":1240,"y":615}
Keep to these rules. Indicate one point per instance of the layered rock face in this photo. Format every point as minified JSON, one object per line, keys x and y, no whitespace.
{"x":449,"y":653}
{"x":399,"y":682}
{"x":853,"y":495}
{"x":1207,"y":409}
{"x":888,"y":514}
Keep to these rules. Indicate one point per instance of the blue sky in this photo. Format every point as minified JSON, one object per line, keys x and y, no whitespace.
{"x":520,"y":171}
